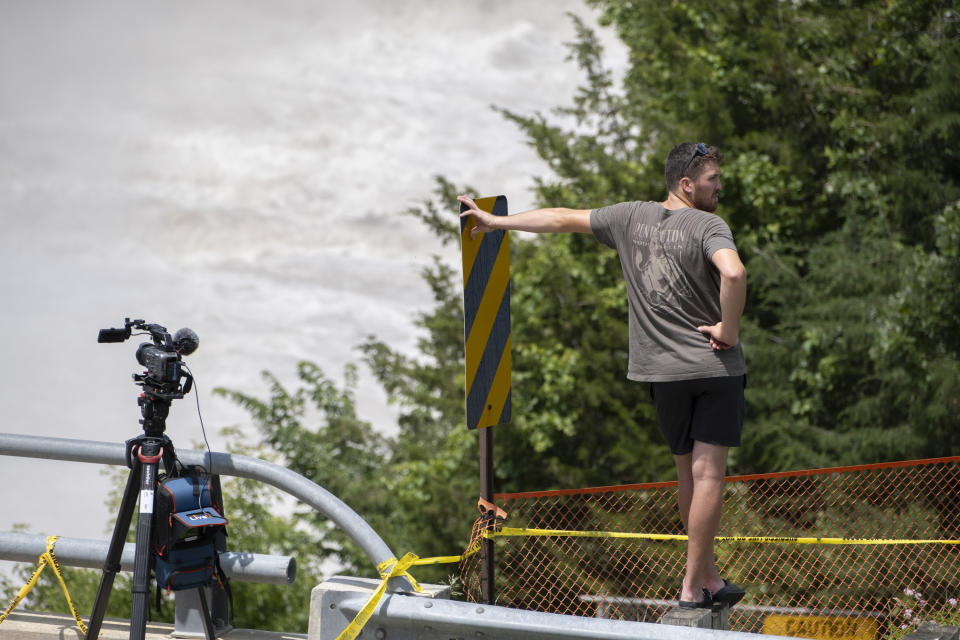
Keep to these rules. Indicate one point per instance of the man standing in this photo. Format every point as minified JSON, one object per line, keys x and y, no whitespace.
{"x":686,"y":288}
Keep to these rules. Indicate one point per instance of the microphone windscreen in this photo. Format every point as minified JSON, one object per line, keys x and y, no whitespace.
{"x":186,"y":341}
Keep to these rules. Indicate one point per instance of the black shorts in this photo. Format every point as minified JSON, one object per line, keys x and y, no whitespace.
{"x":706,"y":409}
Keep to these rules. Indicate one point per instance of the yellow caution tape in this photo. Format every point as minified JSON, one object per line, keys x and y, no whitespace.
{"x":474,"y":548}
{"x":852,"y":541}
{"x":391,"y":568}
{"x":513,"y":531}
{"x":46,"y":559}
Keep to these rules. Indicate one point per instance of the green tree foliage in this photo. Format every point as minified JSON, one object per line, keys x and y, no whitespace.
{"x":394,"y":488}
{"x":839,"y":128}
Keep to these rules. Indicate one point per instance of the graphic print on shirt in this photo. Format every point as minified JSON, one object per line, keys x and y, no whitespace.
{"x":657,"y":255}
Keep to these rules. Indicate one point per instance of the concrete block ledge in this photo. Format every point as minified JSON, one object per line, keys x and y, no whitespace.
{"x":717,"y":617}
{"x":933,"y":631}
{"x":29,"y":625}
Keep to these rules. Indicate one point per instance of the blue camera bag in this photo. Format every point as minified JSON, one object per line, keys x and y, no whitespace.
{"x":188,"y":529}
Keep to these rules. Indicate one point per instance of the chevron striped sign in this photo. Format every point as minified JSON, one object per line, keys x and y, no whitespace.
{"x":486,"y":318}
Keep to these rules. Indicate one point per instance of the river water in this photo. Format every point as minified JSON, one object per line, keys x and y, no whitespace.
{"x":238,"y":167}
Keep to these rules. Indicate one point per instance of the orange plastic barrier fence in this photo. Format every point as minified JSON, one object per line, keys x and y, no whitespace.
{"x":796,"y":585}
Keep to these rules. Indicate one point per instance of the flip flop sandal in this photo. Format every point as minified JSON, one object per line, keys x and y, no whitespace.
{"x":729,"y":594}
{"x":706,"y":603}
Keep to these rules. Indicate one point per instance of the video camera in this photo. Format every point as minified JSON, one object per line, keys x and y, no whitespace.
{"x":162,"y":357}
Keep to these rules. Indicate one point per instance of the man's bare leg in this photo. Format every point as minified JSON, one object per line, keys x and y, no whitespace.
{"x":700,"y":500}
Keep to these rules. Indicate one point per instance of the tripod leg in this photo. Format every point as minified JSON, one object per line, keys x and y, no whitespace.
{"x":114,"y":553}
{"x":149,"y":455}
{"x":205,"y":611}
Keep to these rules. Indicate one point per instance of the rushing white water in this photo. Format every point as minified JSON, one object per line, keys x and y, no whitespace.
{"x":238,"y":167}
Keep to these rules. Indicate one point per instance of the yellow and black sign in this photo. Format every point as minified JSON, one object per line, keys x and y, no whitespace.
{"x":821,"y":627}
{"x":486,"y":318}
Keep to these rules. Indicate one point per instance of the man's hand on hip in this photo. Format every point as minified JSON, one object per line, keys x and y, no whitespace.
{"x":718,"y":340}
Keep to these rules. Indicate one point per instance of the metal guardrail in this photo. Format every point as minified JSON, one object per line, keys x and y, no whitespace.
{"x":431,"y":616}
{"x":226,"y":464}
{"x":91,"y":554}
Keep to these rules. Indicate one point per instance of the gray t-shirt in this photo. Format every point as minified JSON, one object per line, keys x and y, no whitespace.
{"x":672,"y":288}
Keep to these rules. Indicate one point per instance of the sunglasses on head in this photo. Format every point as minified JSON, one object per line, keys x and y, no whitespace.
{"x":699,"y":150}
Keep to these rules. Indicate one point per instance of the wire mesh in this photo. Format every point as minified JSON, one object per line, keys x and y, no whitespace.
{"x":812,"y":590}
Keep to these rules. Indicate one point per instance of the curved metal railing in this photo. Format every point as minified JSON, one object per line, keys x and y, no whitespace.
{"x":227,"y":464}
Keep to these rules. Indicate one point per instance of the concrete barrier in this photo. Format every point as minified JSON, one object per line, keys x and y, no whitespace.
{"x":432,"y":616}
{"x":933,"y":631}
{"x":716,"y":617}
{"x":49,"y":626}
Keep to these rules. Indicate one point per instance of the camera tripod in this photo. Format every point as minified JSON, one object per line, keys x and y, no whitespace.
{"x":144,"y":453}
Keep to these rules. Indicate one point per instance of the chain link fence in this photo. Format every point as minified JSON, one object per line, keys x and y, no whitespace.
{"x":799,"y":585}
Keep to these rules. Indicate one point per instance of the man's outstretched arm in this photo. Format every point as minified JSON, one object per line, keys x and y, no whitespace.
{"x":554,"y":220}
